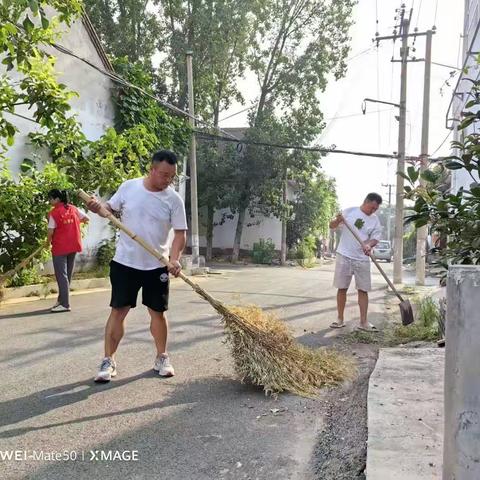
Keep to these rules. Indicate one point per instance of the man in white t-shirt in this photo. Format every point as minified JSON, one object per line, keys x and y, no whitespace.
{"x":353,"y":259}
{"x":150,"y":208}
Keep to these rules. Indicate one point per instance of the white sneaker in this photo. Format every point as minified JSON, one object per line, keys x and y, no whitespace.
{"x":108,"y":370}
{"x":59,"y":309}
{"x":163,"y":366}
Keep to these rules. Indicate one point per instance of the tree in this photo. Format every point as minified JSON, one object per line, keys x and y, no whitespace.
{"x":216,"y":181}
{"x":454,"y":216}
{"x":78,"y":163}
{"x":298,"y":44}
{"x":218,"y":34}
{"x":23,"y":212}
{"x":314,"y":206}
{"x":20,"y":41}
{"x":126,"y":27}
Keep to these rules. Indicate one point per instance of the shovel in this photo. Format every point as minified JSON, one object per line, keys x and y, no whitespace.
{"x":406,"y":310}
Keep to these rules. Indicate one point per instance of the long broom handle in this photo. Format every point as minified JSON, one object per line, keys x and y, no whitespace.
{"x":21,"y":265}
{"x":87,"y":198}
{"x":375,"y":261}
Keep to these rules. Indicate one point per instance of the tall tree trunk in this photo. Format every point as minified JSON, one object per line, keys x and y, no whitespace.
{"x":210,"y":214}
{"x":238,"y":235}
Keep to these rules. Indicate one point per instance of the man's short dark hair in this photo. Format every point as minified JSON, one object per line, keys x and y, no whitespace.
{"x":374,"y":197}
{"x":164,"y":156}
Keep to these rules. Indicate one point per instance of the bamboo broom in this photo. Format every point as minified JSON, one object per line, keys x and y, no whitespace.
{"x":263,"y":349}
{"x":7,"y":275}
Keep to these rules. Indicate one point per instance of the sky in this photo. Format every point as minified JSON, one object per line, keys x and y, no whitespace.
{"x":372,"y":74}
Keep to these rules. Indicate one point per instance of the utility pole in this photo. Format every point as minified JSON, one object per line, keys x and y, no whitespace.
{"x":389,"y":214}
{"x":398,"y":237}
{"x":283,"y":251}
{"x":182,"y":188}
{"x":404,"y":55}
{"x":422,"y":231}
{"x":193,"y":165}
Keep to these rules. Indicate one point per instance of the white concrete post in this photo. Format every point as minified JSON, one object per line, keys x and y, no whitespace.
{"x":461,"y":453}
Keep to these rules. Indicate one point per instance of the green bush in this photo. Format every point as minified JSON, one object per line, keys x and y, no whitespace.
{"x":105,"y":253}
{"x":305,"y":252}
{"x":27,"y":276}
{"x":306,"y":248}
{"x":263,"y":251}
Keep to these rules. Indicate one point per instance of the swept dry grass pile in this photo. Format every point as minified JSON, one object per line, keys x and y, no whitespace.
{"x":266,"y":354}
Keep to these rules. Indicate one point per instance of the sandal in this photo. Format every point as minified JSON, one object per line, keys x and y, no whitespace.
{"x":337,"y":325}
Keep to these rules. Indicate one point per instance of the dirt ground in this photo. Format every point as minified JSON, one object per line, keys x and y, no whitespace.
{"x":341,"y":449}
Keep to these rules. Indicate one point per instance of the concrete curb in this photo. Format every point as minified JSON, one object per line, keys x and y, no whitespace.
{"x":45,"y":289}
{"x":405,"y":415}
{"x":31,"y":293}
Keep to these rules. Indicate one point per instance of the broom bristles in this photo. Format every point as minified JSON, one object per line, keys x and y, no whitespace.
{"x":266,"y":354}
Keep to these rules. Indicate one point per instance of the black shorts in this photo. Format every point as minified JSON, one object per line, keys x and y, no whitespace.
{"x":127,"y":281}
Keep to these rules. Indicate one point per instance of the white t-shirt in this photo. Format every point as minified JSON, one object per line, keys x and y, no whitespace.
{"x":151,"y":215}
{"x":368,"y":228}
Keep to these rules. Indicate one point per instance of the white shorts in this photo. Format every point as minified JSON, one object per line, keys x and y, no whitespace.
{"x":346,"y":267}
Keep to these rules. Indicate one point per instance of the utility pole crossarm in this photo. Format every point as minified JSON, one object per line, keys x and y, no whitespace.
{"x":396,"y":37}
{"x":380,"y":101}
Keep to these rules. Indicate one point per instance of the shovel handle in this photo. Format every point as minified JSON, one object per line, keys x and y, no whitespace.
{"x":374,"y":260}
{"x":105,"y":213}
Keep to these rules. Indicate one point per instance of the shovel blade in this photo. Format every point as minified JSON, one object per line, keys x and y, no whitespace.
{"x":406,"y":312}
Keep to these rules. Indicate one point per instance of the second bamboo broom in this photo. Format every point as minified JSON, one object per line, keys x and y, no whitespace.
{"x":263,"y":349}
{"x":11,"y":273}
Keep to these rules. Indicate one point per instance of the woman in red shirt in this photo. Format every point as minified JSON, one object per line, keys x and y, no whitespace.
{"x":65,"y":238}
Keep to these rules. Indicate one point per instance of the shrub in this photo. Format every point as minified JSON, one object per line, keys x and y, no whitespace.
{"x":306,"y":248}
{"x":105,"y":253}
{"x":27,"y":276}
{"x":263,"y":251}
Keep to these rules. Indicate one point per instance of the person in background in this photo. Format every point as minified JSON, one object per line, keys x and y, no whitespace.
{"x":353,"y":259}
{"x":64,"y":237}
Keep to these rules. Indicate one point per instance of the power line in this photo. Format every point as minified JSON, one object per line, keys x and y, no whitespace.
{"x":235,"y":114}
{"x":208,"y":136}
{"x":116,"y":78}
{"x":358,"y":114}
{"x":359,"y":54}
{"x":442,"y":144}
{"x":435,"y":17}
{"x":21,"y":116}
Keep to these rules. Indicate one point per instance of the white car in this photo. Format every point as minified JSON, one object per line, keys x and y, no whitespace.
{"x":383,"y":251}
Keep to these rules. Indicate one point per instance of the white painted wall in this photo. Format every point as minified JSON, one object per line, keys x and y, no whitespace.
{"x":224,"y":235}
{"x":261,"y":227}
{"x":93,"y":107}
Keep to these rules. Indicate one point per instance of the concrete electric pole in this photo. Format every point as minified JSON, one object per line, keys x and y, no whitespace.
{"x":404,"y":55}
{"x":389,"y":214}
{"x":193,"y":166}
{"x":422,"y":231}
{"x":398,"y":237}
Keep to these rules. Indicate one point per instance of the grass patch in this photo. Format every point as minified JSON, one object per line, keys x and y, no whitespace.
{"x":98,"y":272}
{"x":425,"y":328}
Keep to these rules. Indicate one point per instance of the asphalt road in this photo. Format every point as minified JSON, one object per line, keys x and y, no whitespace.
{"x":202,"y":424}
